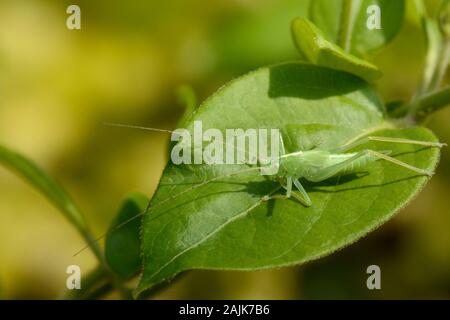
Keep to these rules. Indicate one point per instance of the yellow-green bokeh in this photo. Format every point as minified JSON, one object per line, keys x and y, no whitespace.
{"x":58,"y":86}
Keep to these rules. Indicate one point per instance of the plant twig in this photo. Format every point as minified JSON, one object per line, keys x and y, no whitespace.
{"x":88,"y":283}
{"x":441,"y":68}
{"x":430,"y":103}
{"x":348,"y":15}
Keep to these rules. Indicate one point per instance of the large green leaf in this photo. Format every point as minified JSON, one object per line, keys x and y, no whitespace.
{"x":122,"y":244}
{"x":225,"y":224}
{"x":36,"y":177}
{"x":328,"y":15}
{"x":313,"y":46}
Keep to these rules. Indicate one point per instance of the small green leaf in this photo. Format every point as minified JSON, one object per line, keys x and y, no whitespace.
{"x":313,"y":46}
{"x":36,"y":177}
{"x":122,"y":245}
{"x":225,"y":224}
{"x":328,"y":16}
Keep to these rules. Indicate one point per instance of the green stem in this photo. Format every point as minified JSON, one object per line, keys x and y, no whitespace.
{"x":93,"y":245}
{"x":428,"y":104}
{"x":92,"y":242}
{"x":103,"y":266}
{"x":427,"y":99}
{"x":434,"y":49}
{"x":123,"y":290}
{"x":99,"y":280}
{"x":348,"y":15}
{"x":161,"y":287}
{"x":99,"y":292}
{"x":88,"y":284}
{"x":438,"y":50}
{"x":442,"y":65}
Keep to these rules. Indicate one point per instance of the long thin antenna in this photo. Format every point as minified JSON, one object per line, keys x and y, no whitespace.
{"x":162,"y":202}
{"x":120,"y":125}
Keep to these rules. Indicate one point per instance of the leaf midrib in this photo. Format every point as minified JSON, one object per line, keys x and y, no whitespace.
{"x":212,"y":233}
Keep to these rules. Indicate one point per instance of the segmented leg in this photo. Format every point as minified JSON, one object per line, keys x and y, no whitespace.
{"x":303,"y":199}
{"x":284,"y":197}
{"x":282,"y":148}
{"x":289,"y":187}
{"x":387,"y":139}
{"x":328,"y":172}
{"x":306,"y":200}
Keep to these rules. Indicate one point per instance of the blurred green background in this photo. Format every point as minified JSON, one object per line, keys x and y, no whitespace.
{"x":58,"y":86}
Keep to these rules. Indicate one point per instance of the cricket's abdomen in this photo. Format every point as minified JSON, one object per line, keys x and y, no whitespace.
{"x":302,"y":164}
{"x":310,"y":164}
{"x":354,"y":165}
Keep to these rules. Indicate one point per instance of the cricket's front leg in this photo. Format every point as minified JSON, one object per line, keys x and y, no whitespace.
{"x":303,"y":199}
{"x":306,"y":200}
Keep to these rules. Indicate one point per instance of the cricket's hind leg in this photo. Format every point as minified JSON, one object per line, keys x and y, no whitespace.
{"x":364,"y":140}
{"x":384,"y":156}
{"x":333,"y":170}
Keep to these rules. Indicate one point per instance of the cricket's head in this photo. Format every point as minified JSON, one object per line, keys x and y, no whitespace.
{"x":270,"y":167}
